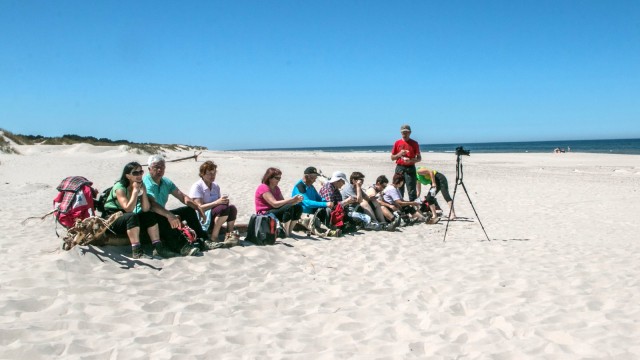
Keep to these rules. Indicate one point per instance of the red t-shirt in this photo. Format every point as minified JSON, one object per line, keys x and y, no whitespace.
{"x":411,"y":146}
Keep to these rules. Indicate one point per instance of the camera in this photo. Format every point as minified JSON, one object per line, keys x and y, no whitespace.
{"x":461,"y":151}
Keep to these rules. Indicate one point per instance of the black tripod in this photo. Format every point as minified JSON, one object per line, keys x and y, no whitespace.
{"x":459,"y":176}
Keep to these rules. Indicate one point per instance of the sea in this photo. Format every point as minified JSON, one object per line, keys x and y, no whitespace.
{"x":616,"y":146}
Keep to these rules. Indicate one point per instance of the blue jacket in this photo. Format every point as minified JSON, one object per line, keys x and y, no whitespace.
{"x":312,"y":200}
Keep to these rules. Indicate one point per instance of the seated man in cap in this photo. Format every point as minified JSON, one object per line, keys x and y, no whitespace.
{"x":312,"y":203}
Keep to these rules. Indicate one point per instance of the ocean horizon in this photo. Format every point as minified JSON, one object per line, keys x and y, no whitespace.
{"x":605,"y":146}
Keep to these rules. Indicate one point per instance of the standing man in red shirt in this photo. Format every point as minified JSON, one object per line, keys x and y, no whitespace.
{"x":406,"y":153}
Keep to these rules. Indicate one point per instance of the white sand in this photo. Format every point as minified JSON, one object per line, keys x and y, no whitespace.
{"x":560,"y":280}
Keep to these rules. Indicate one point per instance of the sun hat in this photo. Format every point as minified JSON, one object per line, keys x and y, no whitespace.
{"x":337,"y":176}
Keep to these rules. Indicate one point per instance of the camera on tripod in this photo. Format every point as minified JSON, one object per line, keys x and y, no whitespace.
{"x":461,"y":151}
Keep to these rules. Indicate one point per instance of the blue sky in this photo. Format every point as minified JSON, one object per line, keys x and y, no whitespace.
{"x":262,"y":74}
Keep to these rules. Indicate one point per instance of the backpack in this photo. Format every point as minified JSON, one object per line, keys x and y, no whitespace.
{"x":102,"y":199}
{"x":262,"y":230}
{"x":74,"y":201}
{"x":337,"y":215}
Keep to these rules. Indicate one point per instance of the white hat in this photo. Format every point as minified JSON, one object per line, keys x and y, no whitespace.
{"x":337,"y":176}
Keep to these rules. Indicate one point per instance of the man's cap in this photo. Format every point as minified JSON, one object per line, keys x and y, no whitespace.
{"x":311,"y":171}
{"x":337,"y":176}
{"x":405,"y":127}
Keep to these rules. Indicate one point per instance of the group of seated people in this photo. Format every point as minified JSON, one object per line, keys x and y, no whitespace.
{"x":378,"y":207}
{"x":196,"y":226}
{"x":185,"y":231}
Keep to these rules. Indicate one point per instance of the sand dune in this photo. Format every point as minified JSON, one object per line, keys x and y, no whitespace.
{"x":559,"y":280}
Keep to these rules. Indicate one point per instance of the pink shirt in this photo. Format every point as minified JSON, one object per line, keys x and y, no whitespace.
{"x":262,"y":206}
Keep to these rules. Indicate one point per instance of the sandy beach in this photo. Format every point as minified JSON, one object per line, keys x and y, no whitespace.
{"x":560,"y":278}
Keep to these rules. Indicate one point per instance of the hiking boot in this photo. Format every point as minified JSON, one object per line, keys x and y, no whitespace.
{"x":161,"y":251}
{"x":138,"y":253}
{"x":189,"y":250}
{"x":211,"y":245}
{"x":232,"y":239}
{"x":389,"y":226}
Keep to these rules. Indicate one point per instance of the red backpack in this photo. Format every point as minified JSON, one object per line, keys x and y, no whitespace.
{"x":337,"y":215}
{"x":74,"y":200}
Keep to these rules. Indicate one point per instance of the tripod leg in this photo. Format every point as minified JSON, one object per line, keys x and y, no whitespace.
{"x":453,"y":199}
{"x":474,"y":209}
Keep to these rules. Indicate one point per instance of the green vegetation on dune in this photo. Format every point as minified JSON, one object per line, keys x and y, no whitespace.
{"x":69,"y":139}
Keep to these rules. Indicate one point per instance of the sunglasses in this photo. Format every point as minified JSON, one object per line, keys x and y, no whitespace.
{"x":277,"y":177}
{"x":137,"y":173}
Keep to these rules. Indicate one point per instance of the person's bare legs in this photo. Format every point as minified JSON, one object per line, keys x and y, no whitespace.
{"x":217,"y":225}
{"x":153,"y":231}
{"x":377,"y":209}
{"x":453,"y":213}
{"x":134,"y":235}
{"x":433,"y":210}
{"x":289,"y":225}
{"x":369,"y":211}
{"x":231,"y":226}
{"x":387,"y":213}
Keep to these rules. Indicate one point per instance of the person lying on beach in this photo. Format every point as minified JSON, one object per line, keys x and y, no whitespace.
{"x":159,"y":188}
{"x":437,"y":182}
{"x":391,"y":195}
{"x":129,"y":196}
{"x":269,"y":200}
{"x":363,"y":210}
{"x":217,"y":209}
{"x":312,"y":202}
{"x":375,"y":191}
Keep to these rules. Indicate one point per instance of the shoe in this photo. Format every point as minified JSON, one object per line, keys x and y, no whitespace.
{"x":211,"y":245}
{"x":189,"y":250}
{"x":373,"y":226}
{"x":232,"y":239}
{"x":433,"y":220}
{"x":389,"y":227}
{"x":396,"y":222}
{"x":161,"y":251}
{"x":334,"y":233}
{"x":138,"y":253}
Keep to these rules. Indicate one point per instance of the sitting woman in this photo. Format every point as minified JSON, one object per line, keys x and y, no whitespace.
{"x":206,"y":193}
{"x":129,"y":196}
{"x":269,"y":200}
{"x":392,"y":195}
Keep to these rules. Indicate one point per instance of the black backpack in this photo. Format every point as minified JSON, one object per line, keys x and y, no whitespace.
{"x":262,"y":230}
{"x":102,"y":200}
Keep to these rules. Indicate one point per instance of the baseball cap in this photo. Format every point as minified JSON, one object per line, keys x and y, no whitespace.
{"x":311,"y":171}
{"x":405,"y":127}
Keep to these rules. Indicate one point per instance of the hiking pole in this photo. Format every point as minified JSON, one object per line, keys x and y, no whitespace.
{"x":459,"y":175}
